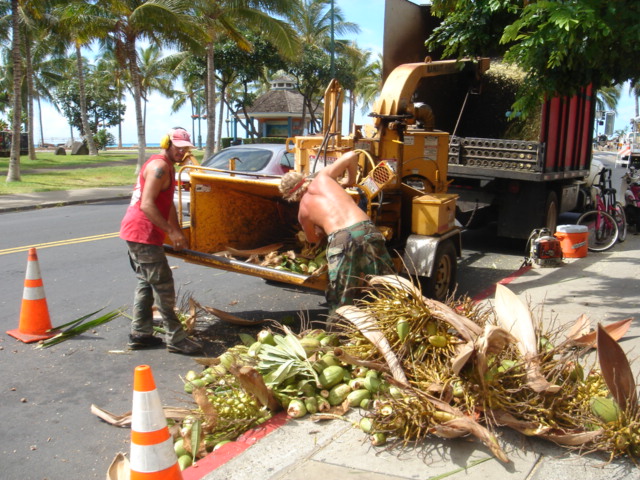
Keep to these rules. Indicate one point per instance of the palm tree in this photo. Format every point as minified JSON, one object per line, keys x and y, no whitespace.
{"x":635,"y":89}
{"x":368,"y":79}
{"x":370,"y":83}
{"x":162,"y":22}
{"x":225,"y":18}
{"x":116,"y":78}
{"x":49,"y":69}
{"x":314,"y":21}
{"x":80,"y":23}
{"x":608,"y":98}
{"x":153,"y":75}
{"x":13,"y":174}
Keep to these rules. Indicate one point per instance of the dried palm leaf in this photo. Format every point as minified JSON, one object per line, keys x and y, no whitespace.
{"x":525,"y":427}
{"x":573,"y":439}
{"x":492,"y":341}
{"x":252,"y":382}
{"x":124,"y":420}
{"x":256,"y":251}
{"x":616,"y":371}
{"x":580,"y":327}
{"x":190,"y":321}
{"x":208,"y":410}
{"x":465,"y":353}
{"x":514,"y":316}
{"x":351,"y":360}
{"x":369,"y":328}
{"x":615,"y":330}
{"x":467,"y":328}
{"x":119,"y":468}
{"x":229,"y":318}
{"x":465,"y":425}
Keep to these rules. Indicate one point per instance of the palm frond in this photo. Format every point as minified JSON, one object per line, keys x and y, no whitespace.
{"x":77,"y":327}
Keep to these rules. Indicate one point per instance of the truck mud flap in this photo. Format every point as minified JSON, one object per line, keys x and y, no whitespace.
{"x":317,"y":282}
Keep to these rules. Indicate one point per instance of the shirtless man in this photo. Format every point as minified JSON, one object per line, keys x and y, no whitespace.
{"x":355,"y":247}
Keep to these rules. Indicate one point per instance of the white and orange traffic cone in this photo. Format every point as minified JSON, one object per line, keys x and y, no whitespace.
{"x":35,"y":323}
{"x":152,"y":454}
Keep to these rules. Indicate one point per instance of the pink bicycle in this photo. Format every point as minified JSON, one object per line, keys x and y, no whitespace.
{"x":607,"y":224}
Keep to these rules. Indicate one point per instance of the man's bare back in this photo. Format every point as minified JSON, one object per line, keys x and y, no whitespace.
{"x":326,"y":207}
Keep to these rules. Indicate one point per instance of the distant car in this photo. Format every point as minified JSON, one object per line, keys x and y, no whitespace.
{"x":246,"y":161}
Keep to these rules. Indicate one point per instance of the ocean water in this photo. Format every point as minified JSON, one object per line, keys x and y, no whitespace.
{"x":149,"y":145}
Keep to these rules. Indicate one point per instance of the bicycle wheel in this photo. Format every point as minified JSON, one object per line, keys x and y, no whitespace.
{"x":621,"y":220}
{"x":602,"y":228}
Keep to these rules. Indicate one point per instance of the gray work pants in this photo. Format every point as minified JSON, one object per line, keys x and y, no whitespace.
{"x":155,"y":285}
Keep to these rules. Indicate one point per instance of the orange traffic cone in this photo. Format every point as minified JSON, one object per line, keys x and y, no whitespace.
{"x":152,"y":454}
{"x":35,"y":323}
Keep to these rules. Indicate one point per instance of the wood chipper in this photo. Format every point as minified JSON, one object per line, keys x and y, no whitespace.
{"x":237,"y":222}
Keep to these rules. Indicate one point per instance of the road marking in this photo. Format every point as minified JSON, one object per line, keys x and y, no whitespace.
{"x":60,"y":243}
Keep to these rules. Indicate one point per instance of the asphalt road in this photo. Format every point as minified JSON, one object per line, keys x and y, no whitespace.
{"x":46,"y":394}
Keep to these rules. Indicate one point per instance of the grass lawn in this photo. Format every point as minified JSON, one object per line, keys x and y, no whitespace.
{"x":57,"y":172}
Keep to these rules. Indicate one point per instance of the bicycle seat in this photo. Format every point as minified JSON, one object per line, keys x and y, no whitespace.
{"x":607,"y":191}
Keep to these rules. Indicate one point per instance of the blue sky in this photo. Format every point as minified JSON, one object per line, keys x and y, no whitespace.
{"x":368,"y":14}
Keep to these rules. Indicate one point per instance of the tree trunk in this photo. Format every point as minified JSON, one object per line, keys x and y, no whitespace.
{"x":119,"y":91}
{"x":211,"y":103}
{"x":237,"y":118}
{"x":83,"y":104}
{"x":137,"y":95}
{"x":40,"y":121}
{"x":304,"y":117}
{"x":352,"y":111}
{"x":13,"y":174}
{"x":220,"y":119}
{"x":30,"y":113}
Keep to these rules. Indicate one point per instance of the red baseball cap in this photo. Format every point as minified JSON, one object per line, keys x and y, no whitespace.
{"x":180,"y":138}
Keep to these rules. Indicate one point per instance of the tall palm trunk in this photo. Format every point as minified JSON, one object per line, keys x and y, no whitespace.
{"x":13,"y":174}
{"x":83,"y":103}
{"x":40,"y":121}
{"x":220,"y":118}
{"x":352,"y":110}
{"x":119,"y":93}
{"x":137,"y":98}
{"x":211,"y":103}
{"x":30,"y":112}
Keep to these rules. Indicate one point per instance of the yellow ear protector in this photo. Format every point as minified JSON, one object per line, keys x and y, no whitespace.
{"x":165,"y":142}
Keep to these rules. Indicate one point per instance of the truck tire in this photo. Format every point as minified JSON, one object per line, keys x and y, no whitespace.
{"x":551,"y":212}
{"x":445,"y":270}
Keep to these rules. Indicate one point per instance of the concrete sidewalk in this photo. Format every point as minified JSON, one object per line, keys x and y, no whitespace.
{"x":604,"y":286}
{"x":29,"y":201}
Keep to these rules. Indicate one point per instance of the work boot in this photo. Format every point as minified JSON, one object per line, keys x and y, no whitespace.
{"x":186,"y":346}
{"x":137,"y":342}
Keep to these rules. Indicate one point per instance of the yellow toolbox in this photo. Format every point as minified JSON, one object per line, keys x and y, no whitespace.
{"x":433,"y":214}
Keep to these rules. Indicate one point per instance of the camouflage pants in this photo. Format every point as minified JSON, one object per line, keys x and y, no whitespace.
{"x":353,"y":253}
{"x":155,"y":285}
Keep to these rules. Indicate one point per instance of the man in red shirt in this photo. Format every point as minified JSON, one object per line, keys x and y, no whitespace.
{"x":152,"y":215}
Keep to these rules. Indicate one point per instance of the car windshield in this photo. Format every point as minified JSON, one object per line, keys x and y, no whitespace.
{"x":247,"y":159}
